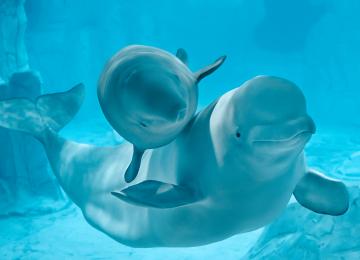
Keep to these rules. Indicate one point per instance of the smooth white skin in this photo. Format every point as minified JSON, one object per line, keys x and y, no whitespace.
{"x":148,"y":95}
{"x":246,"y":181}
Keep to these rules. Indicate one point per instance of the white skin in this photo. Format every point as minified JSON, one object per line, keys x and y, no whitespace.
{"x":245,"y":180}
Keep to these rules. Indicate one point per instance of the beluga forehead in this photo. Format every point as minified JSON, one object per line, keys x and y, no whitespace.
{"x":270,"y":98}
{"x":148,"y":95}
{"x":268,"y":88}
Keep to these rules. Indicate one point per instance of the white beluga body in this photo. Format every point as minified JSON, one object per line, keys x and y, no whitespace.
{"x":232,"y":169}
{"x":148,"y":96}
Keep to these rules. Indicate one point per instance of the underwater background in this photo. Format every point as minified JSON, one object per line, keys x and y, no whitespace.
{"x":51,"y":45}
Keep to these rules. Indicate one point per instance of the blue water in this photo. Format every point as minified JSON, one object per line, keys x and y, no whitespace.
{"x":314,"y":43}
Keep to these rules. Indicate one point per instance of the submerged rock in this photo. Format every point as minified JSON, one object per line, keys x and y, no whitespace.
{"x":26,"y":181}
{"x":350,"y":169}
{"x":25,"y":176}
{"x":13,"y":55}
{"x":303,"y":234}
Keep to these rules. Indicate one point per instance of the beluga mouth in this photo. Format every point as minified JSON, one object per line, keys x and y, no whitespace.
{"x":302,"y":134}
{"x":181,"y":115}
{"x":142,"y":124}
{"x":291,"y":131}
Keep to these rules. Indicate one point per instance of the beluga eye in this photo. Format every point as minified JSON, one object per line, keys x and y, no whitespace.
{"x":238,"y":134}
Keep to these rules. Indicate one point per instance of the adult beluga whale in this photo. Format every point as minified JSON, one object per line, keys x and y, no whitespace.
{"x":232,"y":169}
{"x":148,"y":96}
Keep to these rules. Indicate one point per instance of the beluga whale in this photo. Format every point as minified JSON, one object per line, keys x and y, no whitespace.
{"x":232,"y":169}
{"x":148,"y":96}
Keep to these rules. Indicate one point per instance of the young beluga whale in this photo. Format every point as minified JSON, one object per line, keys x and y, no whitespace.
{"x":232,"y":169}
{"x":148,"y":96}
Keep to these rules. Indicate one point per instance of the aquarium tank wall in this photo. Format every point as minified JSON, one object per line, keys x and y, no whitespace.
{"x":49,"y":46}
